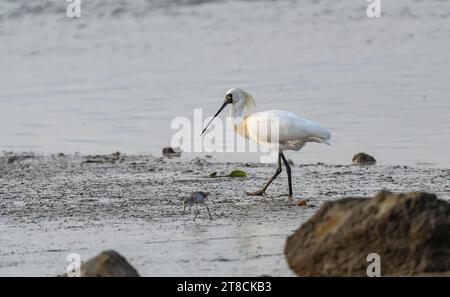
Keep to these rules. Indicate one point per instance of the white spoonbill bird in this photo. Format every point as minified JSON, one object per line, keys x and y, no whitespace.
{"x":294,"y":131}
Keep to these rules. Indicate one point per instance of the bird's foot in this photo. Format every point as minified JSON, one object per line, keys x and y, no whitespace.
{"x":256,"y":193}
{"x":290,"y":196}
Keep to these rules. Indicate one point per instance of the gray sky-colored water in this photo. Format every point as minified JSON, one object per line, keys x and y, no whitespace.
{"x":115,"y":78}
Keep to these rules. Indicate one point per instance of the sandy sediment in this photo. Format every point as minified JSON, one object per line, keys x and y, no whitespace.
{"x":54,"y":205}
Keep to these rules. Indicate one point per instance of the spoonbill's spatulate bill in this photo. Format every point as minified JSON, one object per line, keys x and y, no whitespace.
{"x":294,"y":131}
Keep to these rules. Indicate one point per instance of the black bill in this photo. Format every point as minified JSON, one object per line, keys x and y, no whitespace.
{"x":217,"y":113}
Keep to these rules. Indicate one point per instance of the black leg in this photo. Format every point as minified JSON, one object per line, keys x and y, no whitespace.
{"x":288,"y":170}
{"x":210,"y":217}
{"x":267,"y":184}
{"x":196,"y":212}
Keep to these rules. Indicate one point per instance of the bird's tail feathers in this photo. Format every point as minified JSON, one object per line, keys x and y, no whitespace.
{"x":318,"y":140}
{"x":321,"y":136}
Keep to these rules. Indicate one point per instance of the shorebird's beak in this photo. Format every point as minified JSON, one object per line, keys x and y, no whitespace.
{"x":217,"y":113}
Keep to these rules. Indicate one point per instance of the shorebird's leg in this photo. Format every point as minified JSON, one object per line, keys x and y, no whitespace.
{"x":196,"y":212}
{"x":288,"y":170}
{"x":210,"y":217}
{"x":267,"y":184}
{"x":184,"y":207}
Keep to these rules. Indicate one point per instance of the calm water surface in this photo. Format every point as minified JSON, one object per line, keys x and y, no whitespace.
{"x":115,"y":78}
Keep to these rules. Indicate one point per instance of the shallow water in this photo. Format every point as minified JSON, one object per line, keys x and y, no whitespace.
{"x":115,"y":78}
{"x":159,"y":249}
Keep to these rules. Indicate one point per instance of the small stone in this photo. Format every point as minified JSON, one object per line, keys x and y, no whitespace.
{"x":302,"y":203}
{"x":170,"y":152}
{"x":363,"y":159}
{"x":115,"y":156}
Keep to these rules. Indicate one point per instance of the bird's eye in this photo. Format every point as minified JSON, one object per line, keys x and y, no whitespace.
{"x":229,"y":98}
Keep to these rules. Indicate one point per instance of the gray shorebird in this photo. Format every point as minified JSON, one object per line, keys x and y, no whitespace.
{"x":195,"y":199}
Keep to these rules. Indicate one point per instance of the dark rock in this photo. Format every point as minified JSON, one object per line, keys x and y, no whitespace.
{"x":363,"y":159}
{"x":171,"y":152}
{"x":410,"y":232}
{"x":108,"y":264}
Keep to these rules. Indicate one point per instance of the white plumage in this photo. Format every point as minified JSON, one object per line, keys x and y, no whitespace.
{"x":293,"y":131}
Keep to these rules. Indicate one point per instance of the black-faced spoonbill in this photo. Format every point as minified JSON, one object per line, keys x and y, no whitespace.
{"x":293,"y":131}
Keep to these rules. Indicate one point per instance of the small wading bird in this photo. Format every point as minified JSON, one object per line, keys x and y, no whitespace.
{"x":294,"y":131}
{"x":196,"y":198}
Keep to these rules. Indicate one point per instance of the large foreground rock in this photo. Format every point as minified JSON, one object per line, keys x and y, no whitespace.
{"x":410,"y":232}
{"x":108,"y":263}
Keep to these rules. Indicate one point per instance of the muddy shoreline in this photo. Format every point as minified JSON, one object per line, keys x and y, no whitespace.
{"x":53,"y":205}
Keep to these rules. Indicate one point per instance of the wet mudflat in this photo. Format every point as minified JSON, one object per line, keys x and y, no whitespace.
{"x":53,"y":205}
